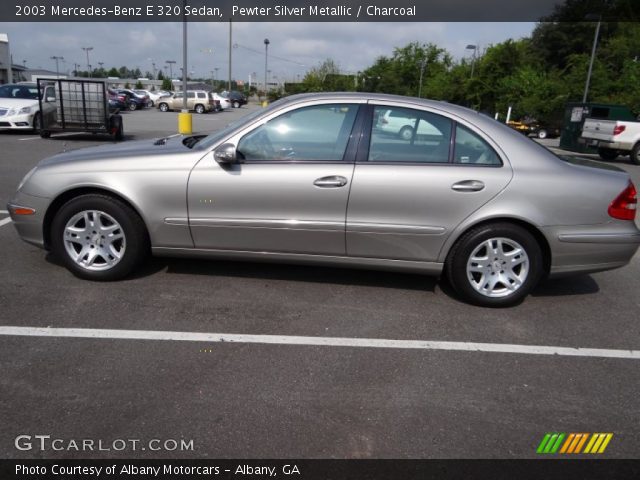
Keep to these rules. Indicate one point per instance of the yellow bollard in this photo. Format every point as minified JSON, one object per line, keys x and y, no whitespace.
{"x":265,"y":103}
{"x":185,"y":126}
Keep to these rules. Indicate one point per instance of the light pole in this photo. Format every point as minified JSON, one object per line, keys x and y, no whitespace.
{"x":171,"y":63}
{"x":87,"y":50}
{"x":473,"y":60}
{"x":56,"y":58}
{"x":593,"y":54}
{"x":266,"y":57}
{"x":423,"y":64}
{"x":101,"y":64}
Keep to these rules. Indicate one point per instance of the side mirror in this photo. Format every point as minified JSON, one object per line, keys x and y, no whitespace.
{"x":51,"y":99}
{"x":225,"y":154}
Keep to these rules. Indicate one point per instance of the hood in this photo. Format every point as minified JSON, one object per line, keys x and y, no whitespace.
{"x":126,"y":150}
{"x":17,"y":102}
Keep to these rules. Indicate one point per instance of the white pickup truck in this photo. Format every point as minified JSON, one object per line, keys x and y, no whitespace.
{"x":613,"y":138}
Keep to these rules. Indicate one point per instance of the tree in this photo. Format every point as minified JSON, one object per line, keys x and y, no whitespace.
{"x":166,"y":84}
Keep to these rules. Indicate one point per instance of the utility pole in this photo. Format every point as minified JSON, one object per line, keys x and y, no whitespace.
{"x":230,"y":48}
{"x":56,"y":58}
{"x":87,"y":50}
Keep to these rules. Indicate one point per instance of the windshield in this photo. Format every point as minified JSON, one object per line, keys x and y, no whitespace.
{"x":219,"y":135}
{"x":19,"y":91}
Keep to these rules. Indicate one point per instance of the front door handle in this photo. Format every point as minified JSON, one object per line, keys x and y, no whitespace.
{"x":468,"y":186}
{"x":333,"y":181}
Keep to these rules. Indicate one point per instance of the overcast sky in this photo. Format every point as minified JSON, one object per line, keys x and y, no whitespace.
{"x":294,"y":47}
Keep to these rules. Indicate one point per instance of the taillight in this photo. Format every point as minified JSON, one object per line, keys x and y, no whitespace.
{"x":618,"y":129}
{"x":624,"y":206}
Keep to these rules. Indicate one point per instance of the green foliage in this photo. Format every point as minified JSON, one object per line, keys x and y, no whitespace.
{"x":139,"y":85}
{"x":166,"y":84}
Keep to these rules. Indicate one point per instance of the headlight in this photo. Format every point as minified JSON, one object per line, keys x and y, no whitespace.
{"x":27,"y":177}
{"x":11,"y":112}
{"x":25,"y":110}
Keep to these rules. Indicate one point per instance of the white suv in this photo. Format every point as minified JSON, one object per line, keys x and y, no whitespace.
{"x":19,"y":107}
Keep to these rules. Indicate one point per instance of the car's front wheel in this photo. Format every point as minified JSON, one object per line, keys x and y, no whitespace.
{"x":236,"y":104}
{"x":37,"y":122}
{"x":542,"y":134}
{"x":495,"y":265}
{"x":99,"y":237}
{"x":132,"y":106}
{"x":164,"y":107}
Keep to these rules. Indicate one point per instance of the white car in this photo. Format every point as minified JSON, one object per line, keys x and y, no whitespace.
{"x":224,"y":102}
{"x":153,"y":96}
{"x":402,"y":123}
{"x":19,"y":107}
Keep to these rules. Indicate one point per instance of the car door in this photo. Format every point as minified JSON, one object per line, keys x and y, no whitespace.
{"x":411,"y":189}
{"x":289,"y":193}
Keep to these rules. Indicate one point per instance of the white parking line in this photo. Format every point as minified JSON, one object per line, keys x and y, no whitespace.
{"x":318,"y":341}
{"x":4,"y":211}
{"x":5,"y":221}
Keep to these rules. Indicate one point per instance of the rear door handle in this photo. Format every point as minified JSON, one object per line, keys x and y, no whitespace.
{"x":468,"y":186}
{"x":333,"y":181}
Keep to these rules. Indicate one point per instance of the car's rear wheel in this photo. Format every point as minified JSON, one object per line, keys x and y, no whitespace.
{"x":132,"y":106}
{"x":607,"y":153}
{"x":236,"y":104}
{"x":150,"y":104}
{"x":199,"y":109}
{"x":495,"y":265}
{"x":99,"y":237}
{"x":164,"y":107}
{"x":406,"y":133}
{"x":635,"y":154}
{"x":542,"y":134}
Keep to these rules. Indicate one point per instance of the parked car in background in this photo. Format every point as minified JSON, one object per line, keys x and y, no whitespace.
{"x":154,"y":96}
{"x":396,"y":122}
{"x":19,"y":106}
{"x":117,"y":101}
{"x":531,"y":127}
{"x":199,"y":101}
{"x":310,"y":180}
{"x":236,"y":98}
{"x":613,"y":138}
{"x":135,"y":101}
{"x":223,"y":102}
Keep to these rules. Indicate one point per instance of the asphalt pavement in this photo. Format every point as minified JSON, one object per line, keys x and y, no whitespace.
{"x":268,"y":395}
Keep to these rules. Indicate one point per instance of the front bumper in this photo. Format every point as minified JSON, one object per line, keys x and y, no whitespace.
{"x":29,"y":227}
{"x":17,"y":122}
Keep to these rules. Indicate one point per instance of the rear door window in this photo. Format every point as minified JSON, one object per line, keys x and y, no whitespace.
{"x":408,"y":135}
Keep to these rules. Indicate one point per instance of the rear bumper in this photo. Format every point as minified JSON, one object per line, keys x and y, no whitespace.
{"x":592,"y":248}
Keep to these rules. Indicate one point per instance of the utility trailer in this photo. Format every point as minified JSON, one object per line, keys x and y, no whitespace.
{"x":77,"y":105}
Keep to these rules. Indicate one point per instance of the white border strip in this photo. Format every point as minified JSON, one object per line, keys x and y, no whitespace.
{"x":5,"y":221}
{"x":318,"y":341}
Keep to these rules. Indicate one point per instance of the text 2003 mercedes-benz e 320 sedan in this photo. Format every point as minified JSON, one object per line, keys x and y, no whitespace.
{"x":321,"y":178}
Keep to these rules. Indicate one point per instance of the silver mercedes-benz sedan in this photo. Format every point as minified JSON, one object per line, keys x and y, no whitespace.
{"x":318,"y":179}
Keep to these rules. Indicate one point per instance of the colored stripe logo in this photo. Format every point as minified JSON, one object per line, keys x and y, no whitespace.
{"x":573,"y":443}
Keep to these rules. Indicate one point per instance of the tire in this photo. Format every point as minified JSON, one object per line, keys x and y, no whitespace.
{"x":151,"y":103}
{"x":132,"y":106}
{"x":406,"y":133}
{"x":117,"y":127}
{"x":542,"y":134}
{"x":37,"y":122}
{"x":607,"y":154}
{"x":635,"y":154}
{"x":199,"y":109}
{"x":45,"y":133}
{"x":86,"y":249}
{"x":164,"y":107}
{"x":471,"y":269}
{"x":236,"y":104}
